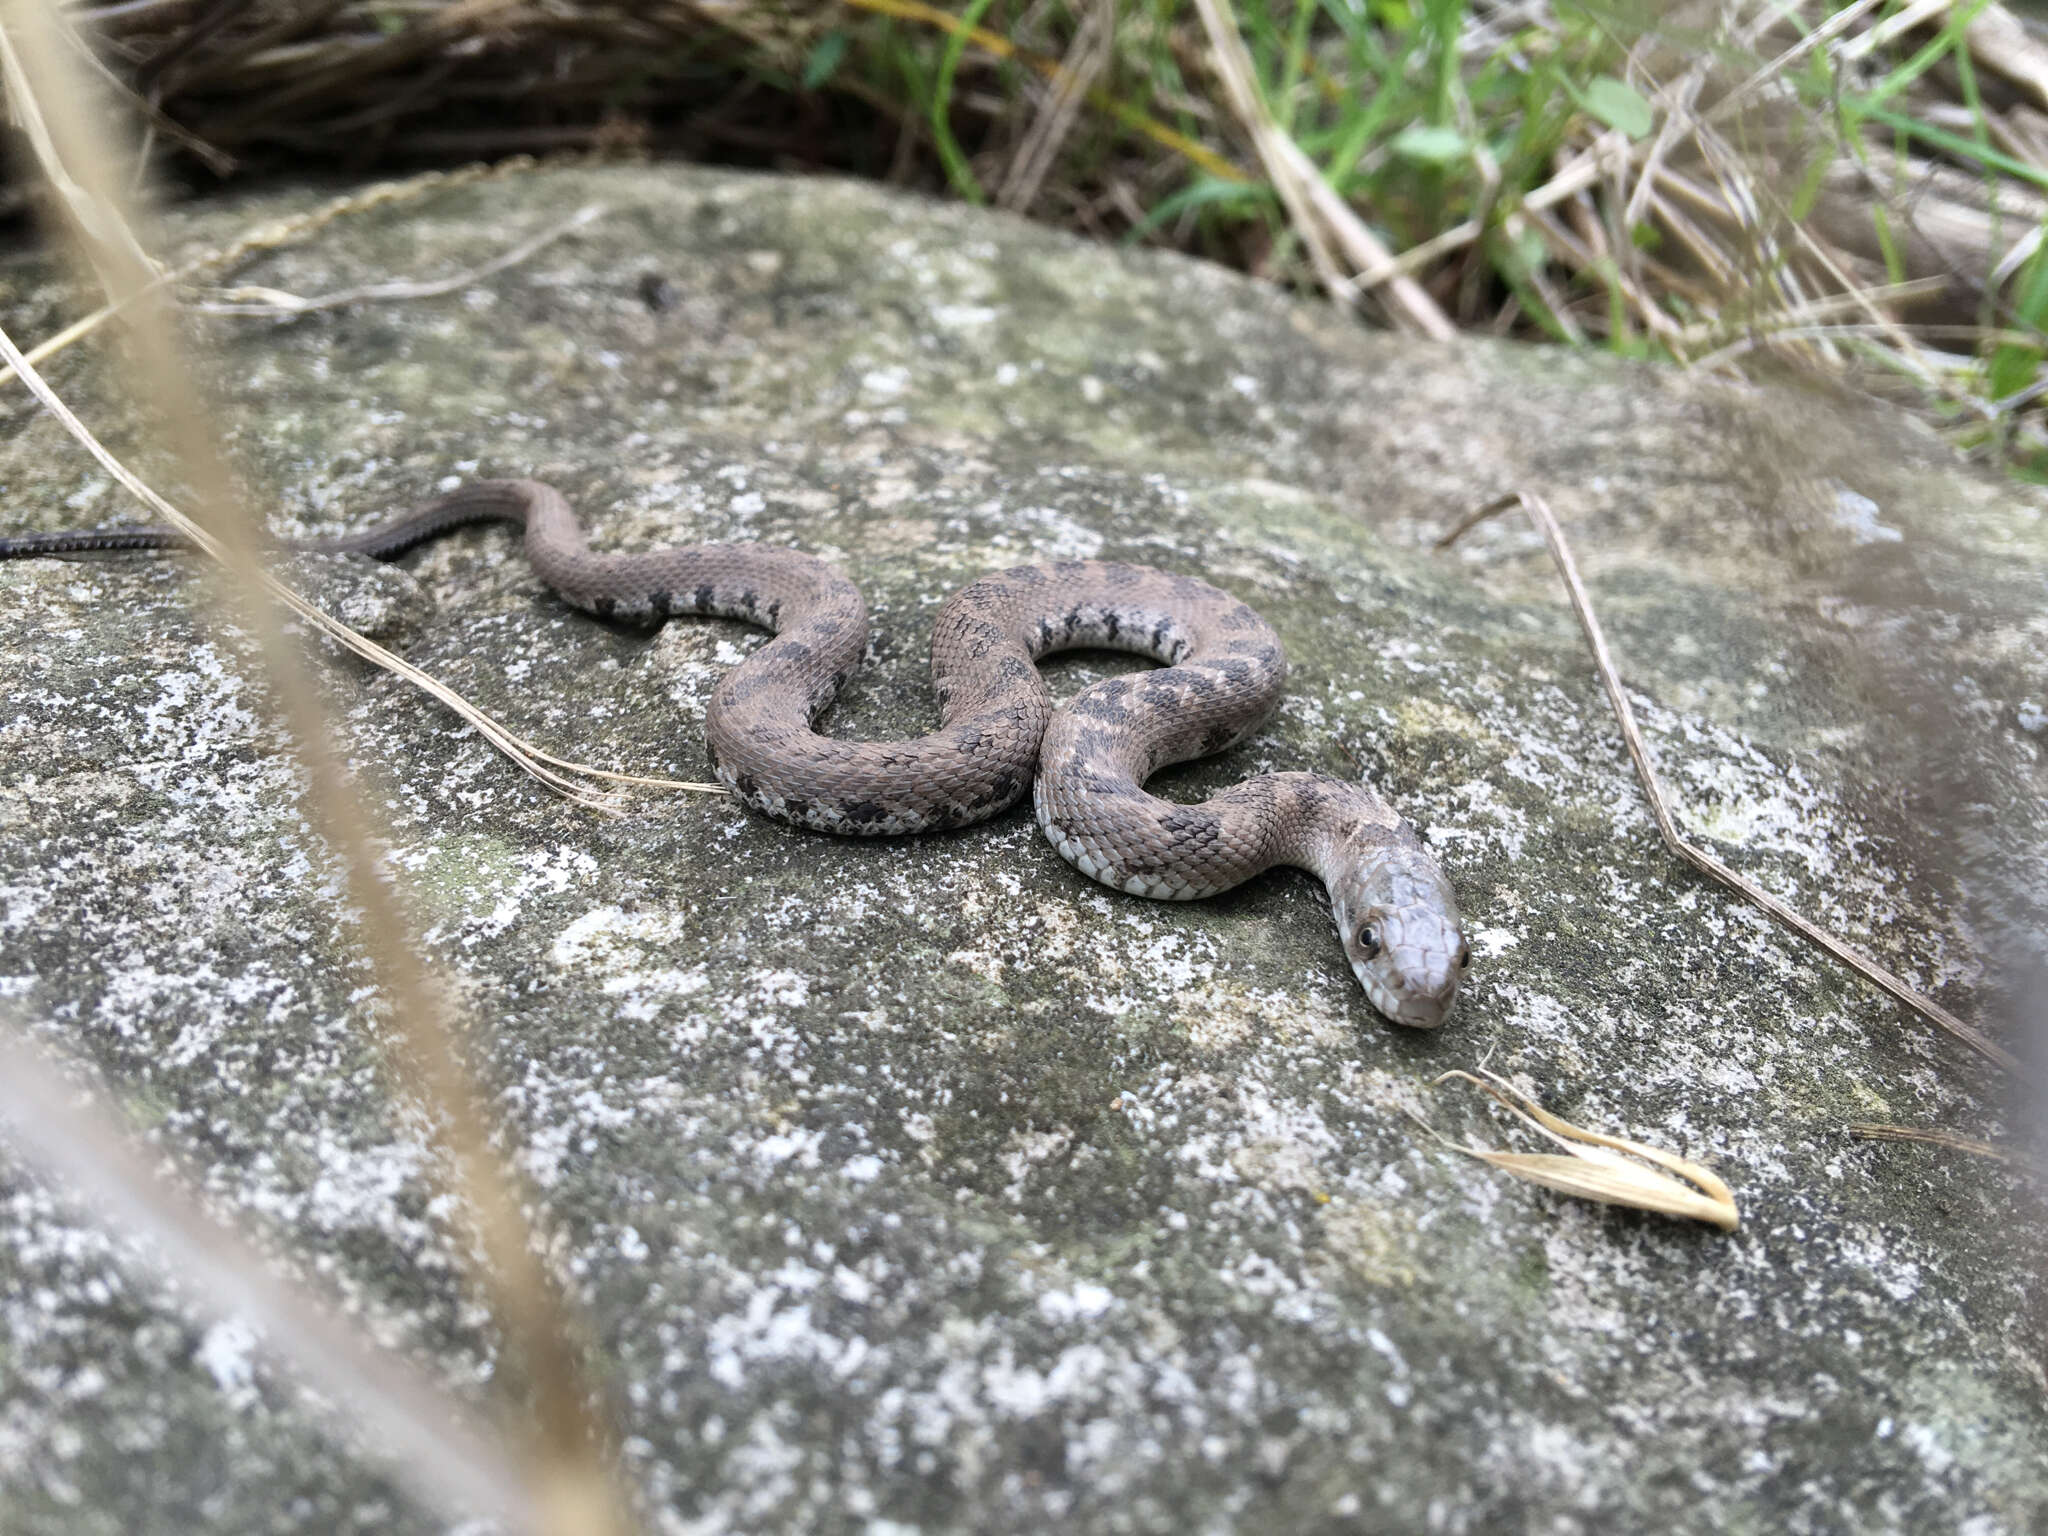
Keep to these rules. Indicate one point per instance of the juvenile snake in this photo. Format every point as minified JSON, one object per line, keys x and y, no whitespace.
{"x":1223,"y":674}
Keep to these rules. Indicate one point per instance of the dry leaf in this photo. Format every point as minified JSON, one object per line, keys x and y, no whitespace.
{"x":1592,"y":1166}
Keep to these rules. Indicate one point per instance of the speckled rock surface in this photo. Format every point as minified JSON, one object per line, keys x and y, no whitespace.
{"x":920,"y":1185}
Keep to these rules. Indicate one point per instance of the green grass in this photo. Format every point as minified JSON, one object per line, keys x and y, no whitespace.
{"x":1769,"y":223}
{"x":1423,"y":119}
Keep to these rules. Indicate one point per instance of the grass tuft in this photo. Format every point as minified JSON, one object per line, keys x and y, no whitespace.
{"x":1856,"y":188}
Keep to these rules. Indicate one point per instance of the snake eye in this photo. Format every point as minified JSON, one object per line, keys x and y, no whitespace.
{"x":1464,"y":956}
{"x":1368,"y":942}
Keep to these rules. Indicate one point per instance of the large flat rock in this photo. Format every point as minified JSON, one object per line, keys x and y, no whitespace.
{"x":923,"y":1185}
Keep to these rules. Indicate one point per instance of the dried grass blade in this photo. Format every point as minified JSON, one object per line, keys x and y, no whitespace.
{"x":434,"y":1443}
{"x":568,"y":1475}
{"x":1313,"y":205}
{"x":216,"y":160}
{"x":528,"y":757}
{"x":1626,"y":1184}
{"x":1811,"y":311}
{"x":2000,"y":41}
{"x":1565,"y":1133}
{"x":1678,"y":100}
{"x":1660,"y":804}
{"x":1592,"y":1166}
{"x":996,"y":46}
{"x":102,"y":235}
{"x":540,"y":764}
{"x":279,"y":232}
{"x":273,"y":302}
{"x":1826,"y":32}
{"x":1912,"y":15}
{"x":1235,"y":70}
{"x":436,"y":26}
{"x":1087,"y":56}
{"x":1868,"y":1131}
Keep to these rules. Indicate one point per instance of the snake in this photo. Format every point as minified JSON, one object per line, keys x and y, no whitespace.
{"x":1223,"y":671}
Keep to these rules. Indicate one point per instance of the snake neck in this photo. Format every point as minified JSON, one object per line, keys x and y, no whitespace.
{"x":1327,"y":825}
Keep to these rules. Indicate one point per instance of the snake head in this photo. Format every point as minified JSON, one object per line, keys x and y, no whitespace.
{"x":1399,"y":922}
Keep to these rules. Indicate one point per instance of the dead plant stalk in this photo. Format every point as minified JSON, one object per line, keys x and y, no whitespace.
{"x":430,"y":1439}
{"x":66,"y":123}
{"x":1660,"y":809}
{"x":1319,"y":215}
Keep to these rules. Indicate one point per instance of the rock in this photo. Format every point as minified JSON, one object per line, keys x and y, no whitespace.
{"x":381,"y":601}
{"x":922,"y":1185}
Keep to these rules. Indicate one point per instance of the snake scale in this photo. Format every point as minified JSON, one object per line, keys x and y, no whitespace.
{"x":1000,"y":735}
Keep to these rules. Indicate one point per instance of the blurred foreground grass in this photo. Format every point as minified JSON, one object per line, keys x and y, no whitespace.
{"x":1850,"y":189}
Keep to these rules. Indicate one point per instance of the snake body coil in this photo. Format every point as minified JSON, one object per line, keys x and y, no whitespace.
{"x":1224,"y":672}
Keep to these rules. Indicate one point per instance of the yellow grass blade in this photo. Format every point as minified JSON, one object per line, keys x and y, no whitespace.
{"x":1628,"y":1184}
{"x":1593,"y":1167}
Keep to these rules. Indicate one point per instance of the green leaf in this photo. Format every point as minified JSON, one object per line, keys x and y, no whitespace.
{"x":824,"y":59}
{"x":1431,"y":146}
{"x":2012,"y":369}
{"x":1618,"y":104}
{"x":1887,"y":245}
{"x":1808,"y":192}
{"x":1205,"y":191}
{"x":1956,"y":145}
{"x":1528,"y":251}
{"x":2030,"y":297}
{"x":2015,"y":365}
{"x":958,"y":171}
{"x":1944,"y":42}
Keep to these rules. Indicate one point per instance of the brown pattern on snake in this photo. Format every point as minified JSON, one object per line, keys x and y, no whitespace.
{"x":1224,"y":672}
